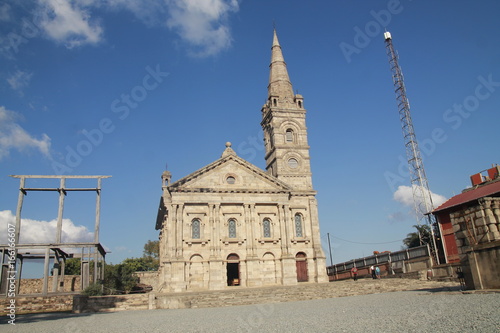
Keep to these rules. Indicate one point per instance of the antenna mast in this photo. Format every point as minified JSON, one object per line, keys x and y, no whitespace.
{"x":422,"y":200}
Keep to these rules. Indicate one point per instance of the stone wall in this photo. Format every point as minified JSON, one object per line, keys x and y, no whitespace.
{"x":477,"y":231}
{"x":477,"y":224}
{"x":481,"y":265}
{"x":149,"y":278}
{"x":35,"y":286}
{"x":38,"y":304}
{"x":113,"y":303}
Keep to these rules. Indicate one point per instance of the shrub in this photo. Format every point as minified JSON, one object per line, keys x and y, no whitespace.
{"x":94,"y":289}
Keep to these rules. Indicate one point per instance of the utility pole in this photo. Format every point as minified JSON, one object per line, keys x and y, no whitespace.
{"x":422,"y":200}
{"x":330,"y":247}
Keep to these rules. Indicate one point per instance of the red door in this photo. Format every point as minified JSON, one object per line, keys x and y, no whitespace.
{"x":301,"y":263}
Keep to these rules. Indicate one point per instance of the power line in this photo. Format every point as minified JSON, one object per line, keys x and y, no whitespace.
{"x":373,"y":243}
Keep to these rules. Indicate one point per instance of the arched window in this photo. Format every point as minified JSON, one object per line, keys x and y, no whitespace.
{"x":300,"y":104}
{"x":289,"y":135}
{"x":266,"y":226}
{"x":195,"y":229}
{"x":298,"y":225}
{"x":232,"y":228}
{"x":274,"y":102}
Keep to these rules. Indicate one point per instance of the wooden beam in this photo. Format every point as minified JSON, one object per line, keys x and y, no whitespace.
{"x":58,"y":176}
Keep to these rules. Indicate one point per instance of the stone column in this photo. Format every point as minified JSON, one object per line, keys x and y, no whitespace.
{"x":253,"y":227}
{"x":211,"y":224}
{"x":217,"y":225}
{"x":288,"y":266}
{"x":180,"y":231}
{"x":172,"y":235}
{"x":250,"y":239}
{"x":319,"y":256}
{"x":283,"y":219}
{"x":315,"y":237}
{"x":252,"y":269}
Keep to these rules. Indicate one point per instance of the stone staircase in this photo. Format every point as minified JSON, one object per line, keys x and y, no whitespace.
{"x":220,"y":298}
{"x":303,"y":291}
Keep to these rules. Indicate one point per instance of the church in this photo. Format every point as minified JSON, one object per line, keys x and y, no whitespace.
{"x":231,"y":224}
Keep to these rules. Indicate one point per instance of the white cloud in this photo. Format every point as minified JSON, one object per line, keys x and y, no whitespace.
{"x":404,"y":195}
{"x":66,"y":22}
{"x":397,"y":217}
{"x":33,"y":231}
{"x":148,"y":11}
{"x":203,"y":24}
{"x":13,"y":136}
{"x":19,"y":80}
{"x":5,"y":12}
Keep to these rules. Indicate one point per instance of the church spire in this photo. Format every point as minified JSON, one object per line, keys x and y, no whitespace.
{"x":280,"y":86}
{"x":284,"y":125}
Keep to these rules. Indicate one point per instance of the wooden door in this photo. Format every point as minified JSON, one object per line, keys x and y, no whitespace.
{"x":302,"y":271}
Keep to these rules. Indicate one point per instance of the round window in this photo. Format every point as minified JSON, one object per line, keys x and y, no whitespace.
{"x":230,"y":180}
{"x":293,"y":163}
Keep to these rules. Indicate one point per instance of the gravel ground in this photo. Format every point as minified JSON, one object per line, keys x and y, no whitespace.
{"x":407,"y":311}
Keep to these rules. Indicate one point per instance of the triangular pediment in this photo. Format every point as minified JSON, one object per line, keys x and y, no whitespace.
{"x":227,"y":174}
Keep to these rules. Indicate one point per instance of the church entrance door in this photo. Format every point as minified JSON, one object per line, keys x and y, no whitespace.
{"x":301,"y":262}
{"x":233,"y":270}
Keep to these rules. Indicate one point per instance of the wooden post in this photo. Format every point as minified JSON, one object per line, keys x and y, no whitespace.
{"x":97,"y":225}
{"x":62,"y":194}
{"x":46,"y":272}
{"x":19,"y":209}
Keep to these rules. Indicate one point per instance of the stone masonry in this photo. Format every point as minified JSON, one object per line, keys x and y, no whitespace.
{"x":477,"y":235}
{"x":231,"y":224}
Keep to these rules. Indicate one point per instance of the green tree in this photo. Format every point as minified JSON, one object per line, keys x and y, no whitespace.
{"x":420,"y":237}
{"x":152,"y":249}
{"x":151,"y":255}
{"x":120,"y":277}
{"x":72,"y":266}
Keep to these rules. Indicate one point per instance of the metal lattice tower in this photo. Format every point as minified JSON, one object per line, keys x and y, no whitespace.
{"x":422,"y":199}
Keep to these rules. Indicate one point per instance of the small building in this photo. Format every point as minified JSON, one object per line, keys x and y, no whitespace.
{"x":470,"y":228}
{"x":233,"y":224}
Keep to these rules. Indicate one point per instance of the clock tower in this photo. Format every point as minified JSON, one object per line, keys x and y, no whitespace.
{"x":284,"y":125}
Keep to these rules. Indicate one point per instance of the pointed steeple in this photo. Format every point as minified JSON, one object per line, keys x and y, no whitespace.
{"x":284,"y":125}
{"x":280,"y":86}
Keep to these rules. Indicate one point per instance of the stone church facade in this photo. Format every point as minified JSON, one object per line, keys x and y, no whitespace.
{"x":233,"y":224}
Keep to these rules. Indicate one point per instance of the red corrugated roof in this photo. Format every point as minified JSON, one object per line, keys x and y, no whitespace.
{"x":471,"y":195}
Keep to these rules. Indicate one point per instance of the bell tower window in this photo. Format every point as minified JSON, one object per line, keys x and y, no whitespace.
{"x":289,"y":135}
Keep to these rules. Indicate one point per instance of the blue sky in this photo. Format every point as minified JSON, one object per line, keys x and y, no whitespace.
{"x":124,"y":88}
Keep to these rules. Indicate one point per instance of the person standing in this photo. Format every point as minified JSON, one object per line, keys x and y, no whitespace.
{"x":372,"y":272}
{"x":354,"y":272}
{"x":377,"y":272}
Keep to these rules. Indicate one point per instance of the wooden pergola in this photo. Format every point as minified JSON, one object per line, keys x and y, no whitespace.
{"x":56,"y":250}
